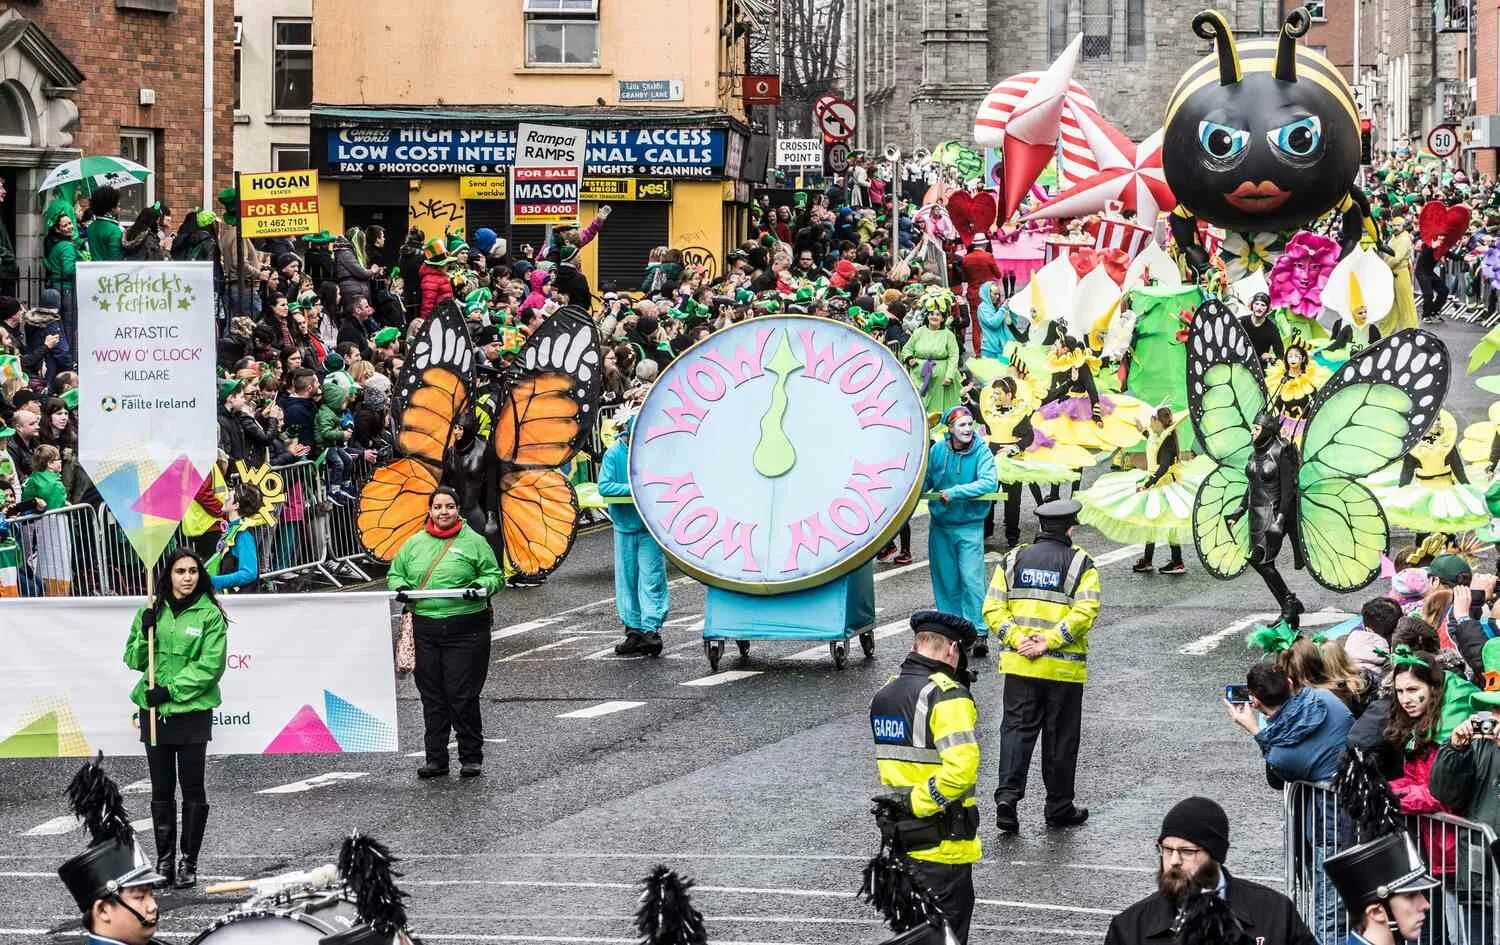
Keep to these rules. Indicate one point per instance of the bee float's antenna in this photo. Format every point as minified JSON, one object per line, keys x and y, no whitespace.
{"x":1297,"y":23}
{"x":1210,"y":24}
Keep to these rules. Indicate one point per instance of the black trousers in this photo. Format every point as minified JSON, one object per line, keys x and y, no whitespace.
{"x":173,"y":764}
{"x":453,"y":661}
{"x":953,"y":886}
{"x":1055,"y":711}
{"x":1434,"y":290}
{"x":1013,"y":510}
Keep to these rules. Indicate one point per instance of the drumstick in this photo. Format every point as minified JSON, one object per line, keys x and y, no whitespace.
{"x":219,"y":888}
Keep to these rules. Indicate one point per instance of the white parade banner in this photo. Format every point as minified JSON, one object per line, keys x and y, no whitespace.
{"x":309,"y":674}
{"x":147,"y":407}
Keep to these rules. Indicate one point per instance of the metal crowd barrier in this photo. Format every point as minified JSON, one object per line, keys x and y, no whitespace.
{"x":1465,"y":908}
{"x":81,"y":551}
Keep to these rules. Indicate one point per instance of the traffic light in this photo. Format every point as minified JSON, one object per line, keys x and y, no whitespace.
{"x":1365,"y":156}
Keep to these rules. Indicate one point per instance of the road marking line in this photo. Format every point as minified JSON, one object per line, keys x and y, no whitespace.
{"x":537,"y":649}
{"x":54,"y":827}
{"x":317,"y":781}
{"x":821,"y":651}
{"x":746,"y":891}
{"x":679,"y":621}
{"x":719,"y":679}
{"x":453,"y":746}
{"x":603,"y":708}
{"x":143,"y":786}
{"x":882,"y":575}
{"x":1119,"y":554}
{"x":527,"y":627}
{"x":1210,"y":642}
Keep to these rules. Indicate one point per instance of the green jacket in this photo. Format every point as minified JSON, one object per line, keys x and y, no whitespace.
{"x":61,"y":263}
{"x":469,"y":563}
{"x":1464,"y":780}
{"x":47,"y":486}
{"x":106,"y":239}
{"x":190,"y":656}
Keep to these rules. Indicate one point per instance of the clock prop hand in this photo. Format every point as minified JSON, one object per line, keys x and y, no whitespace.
{"x":774,"y":454}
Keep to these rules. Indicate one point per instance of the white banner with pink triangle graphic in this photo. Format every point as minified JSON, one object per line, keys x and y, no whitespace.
{"x":309,"y":674}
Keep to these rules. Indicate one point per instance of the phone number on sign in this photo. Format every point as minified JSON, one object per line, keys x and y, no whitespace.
{"x":281,"y":226}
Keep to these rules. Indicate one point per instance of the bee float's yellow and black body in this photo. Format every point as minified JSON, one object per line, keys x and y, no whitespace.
{"x":1261,"y":136}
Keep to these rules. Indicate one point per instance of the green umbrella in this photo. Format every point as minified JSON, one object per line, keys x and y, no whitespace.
{"x":96,"y":171}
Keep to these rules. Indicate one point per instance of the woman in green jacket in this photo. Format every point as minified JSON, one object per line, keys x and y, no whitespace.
{"x":106,"y":238}
{"x":452,"y":634}
{"x":60,"y":254}
{"x":191,"y":632}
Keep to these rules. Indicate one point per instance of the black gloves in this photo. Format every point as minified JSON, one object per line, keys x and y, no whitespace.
{"x":893,"y":804}
{"x":401,"y":596}
{"x":148,"y":619}
{"x":158,"y":695}
{"x":474,"y":593}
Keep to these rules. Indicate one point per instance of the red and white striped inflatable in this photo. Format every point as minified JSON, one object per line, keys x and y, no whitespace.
{"x":1077,"y":161}
{"x":1059,"y":246}
{"x":1120,"y":234}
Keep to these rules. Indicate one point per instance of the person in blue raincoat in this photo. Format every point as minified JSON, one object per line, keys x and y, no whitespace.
{"x":959,"y":468}
{"x":996,"y":324}
{"x":640,"y":569}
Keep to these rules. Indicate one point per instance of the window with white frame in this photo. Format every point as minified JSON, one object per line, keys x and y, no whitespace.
{"x":562,"y":32}
{"x":290,"y":157}
{"x":239,"y":38}
{"x":292,"y":65}
{"x":138,"y":145}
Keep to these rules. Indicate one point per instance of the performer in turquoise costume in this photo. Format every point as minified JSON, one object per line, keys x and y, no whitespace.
{"x":996,"y":324}
{"x":959,"y":468}
{"x":640,"y":568}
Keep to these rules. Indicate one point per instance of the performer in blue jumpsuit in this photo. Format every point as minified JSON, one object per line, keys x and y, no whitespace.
{"x":959,"y":467}
{"x":640,"y":569}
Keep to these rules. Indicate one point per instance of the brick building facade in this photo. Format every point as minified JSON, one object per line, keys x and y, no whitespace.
{"x":73,"y":77}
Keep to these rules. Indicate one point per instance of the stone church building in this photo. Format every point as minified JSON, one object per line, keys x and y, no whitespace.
{"x":929,"y":63}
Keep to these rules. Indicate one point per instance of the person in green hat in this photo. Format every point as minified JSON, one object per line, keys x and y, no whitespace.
{"x":436,"y":286}
{"x":1465,"y":775}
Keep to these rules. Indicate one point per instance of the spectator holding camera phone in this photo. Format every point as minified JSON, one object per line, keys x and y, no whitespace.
{"x":1466,"y":773}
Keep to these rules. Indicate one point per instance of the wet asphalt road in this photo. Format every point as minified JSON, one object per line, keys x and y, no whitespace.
{"x":756,"y":785}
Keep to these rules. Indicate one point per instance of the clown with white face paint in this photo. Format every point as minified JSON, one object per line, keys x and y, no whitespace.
{"x":959,"y":469}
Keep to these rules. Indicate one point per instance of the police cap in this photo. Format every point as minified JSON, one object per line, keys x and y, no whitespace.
{"x":951,"y":626}
{"x":1058,"y":514}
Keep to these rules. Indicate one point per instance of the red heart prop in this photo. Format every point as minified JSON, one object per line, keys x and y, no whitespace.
{"x":985,"y":210}
{"x":1437,"y":219}
{"x":961,"y":212}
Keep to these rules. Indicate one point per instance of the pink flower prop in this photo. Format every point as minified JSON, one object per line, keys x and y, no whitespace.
{"x":1300,"y":273}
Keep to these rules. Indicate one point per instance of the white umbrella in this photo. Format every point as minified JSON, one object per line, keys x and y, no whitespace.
{"x":96,"y":171}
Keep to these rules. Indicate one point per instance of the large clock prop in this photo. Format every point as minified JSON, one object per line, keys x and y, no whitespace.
{"x":771,"y":462}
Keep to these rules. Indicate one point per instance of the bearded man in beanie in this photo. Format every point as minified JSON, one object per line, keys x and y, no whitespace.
{"x":1192,"y":846}
{"x":926,"y":748}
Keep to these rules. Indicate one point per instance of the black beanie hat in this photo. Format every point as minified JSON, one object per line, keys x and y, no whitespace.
{"x":1201,"y":821}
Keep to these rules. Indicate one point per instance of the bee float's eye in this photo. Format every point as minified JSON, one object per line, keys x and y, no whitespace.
{"x":1221,"y":141}
{"x":1299,"y":138}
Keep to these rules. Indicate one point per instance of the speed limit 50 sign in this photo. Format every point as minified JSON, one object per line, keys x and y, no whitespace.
{"x":1443,"y":140}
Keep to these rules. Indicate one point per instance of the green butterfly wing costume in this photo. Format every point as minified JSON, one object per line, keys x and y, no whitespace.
{"x":1368,"y":415}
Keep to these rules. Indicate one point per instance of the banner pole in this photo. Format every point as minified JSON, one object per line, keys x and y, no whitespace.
{"x":150,"y":660}
{"x":241,"y":304}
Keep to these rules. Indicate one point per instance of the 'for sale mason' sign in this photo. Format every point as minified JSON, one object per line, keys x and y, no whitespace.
{"x":279,"y":203}
{"x":548,"y":174}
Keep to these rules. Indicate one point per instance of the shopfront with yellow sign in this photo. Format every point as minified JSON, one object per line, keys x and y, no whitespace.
{"x":665,"y":182}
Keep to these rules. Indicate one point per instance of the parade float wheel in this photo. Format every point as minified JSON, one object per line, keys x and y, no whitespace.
{"x":744,"y":647}
{"x":714,"y":650}
{"x":867,"y":643}
{"x":840,"y":651}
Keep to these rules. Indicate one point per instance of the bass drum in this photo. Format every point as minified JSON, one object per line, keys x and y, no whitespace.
{"x":302,"y":922}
